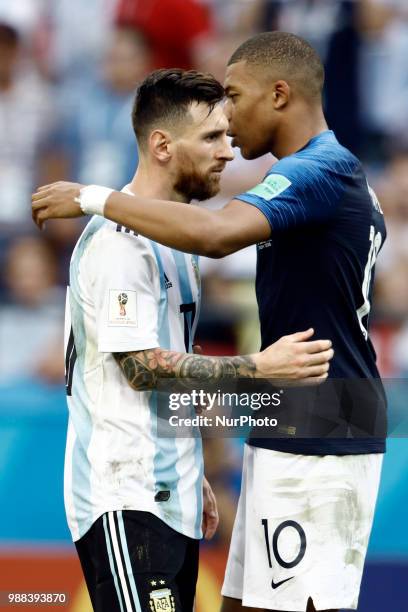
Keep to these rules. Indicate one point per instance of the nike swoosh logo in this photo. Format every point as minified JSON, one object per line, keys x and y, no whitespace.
{"x":275,"y":585}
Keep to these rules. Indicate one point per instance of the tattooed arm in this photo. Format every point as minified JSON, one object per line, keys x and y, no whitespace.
{"x":143,"y":368}
{"x":290,"y":358}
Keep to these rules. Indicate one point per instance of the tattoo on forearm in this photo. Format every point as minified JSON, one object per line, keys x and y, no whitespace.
{"x":143,"y":368}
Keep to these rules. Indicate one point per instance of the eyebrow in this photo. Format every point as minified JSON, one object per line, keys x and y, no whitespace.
{"x":218,"y":132}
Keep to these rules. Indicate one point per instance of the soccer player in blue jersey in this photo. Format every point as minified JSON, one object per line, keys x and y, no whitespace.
{"x":307,"y":504}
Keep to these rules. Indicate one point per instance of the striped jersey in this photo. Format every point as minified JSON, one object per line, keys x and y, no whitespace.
{"x":126,"y":293}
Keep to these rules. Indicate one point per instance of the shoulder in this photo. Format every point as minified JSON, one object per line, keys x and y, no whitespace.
{"x":116,"y":236}
{"x":325,"y":153}
{"x":104,"y":240}
{"x":324,"y":168}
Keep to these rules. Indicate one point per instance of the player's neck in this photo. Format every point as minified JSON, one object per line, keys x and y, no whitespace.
{"x":151,"y":183}
{"x":297,"y":132}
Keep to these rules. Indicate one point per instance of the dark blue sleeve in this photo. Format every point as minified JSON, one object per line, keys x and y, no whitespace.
{"x":296,"y":192}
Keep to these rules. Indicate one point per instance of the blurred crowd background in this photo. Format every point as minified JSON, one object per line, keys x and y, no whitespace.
{"x":68,"y":73}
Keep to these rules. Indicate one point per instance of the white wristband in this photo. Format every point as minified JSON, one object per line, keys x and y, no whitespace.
{"x":92,"y":199}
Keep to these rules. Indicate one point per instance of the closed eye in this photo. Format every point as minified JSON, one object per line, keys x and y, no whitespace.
{"x":212,"y":136}
{"x":231,"y":95}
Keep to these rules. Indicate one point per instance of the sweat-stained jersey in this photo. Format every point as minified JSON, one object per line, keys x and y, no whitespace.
{"x":317,"y":270}
{"x":126,"y":293}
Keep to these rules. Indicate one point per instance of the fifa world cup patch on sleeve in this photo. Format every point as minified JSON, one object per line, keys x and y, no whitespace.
{"x":272,"y":186}
{"x":122,"y":308}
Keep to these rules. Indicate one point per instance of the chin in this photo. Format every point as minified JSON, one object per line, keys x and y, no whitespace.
{"x":214,"y":192}
{"x":249,"y":153}
{"x":252,"y":153}
{"x":207,"y":193}
{"x":214,"y":186}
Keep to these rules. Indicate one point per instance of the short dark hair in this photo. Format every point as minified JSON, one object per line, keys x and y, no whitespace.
{"x":166,"y":94}
{"x":287,"y":53}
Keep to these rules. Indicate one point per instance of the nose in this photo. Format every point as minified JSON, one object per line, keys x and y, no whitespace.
{"x":226,"y":152}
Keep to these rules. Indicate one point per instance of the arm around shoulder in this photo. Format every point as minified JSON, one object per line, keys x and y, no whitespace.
{"x":189,"y":228}
{"x":237,"y":226}
{"x":193,"y":229}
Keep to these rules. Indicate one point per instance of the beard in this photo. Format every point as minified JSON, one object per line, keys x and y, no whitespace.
{"x":194,"y":185}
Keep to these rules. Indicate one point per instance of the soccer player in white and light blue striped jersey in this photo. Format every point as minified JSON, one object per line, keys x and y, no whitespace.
{"x":134,"y":500}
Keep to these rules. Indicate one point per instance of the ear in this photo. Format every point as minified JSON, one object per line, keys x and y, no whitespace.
{"x":160,"y":145}
{"x":281,"y":94}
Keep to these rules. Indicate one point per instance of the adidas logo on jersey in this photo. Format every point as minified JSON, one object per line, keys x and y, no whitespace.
{"x":168,"y":284}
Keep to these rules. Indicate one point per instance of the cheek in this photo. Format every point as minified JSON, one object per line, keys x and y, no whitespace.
{"x":200,"y":166}
{"x":243,"y":117}
{"x":240,"y":112}
{"x":260,"y":125}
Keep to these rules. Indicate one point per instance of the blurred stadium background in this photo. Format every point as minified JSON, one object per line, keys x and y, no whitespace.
{"x":68,"y":70}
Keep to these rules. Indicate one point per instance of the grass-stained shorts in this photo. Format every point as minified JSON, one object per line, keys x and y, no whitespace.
{"x":301,"y":529}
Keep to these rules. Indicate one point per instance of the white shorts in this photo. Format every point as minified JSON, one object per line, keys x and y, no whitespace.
{"x":301,"y":530}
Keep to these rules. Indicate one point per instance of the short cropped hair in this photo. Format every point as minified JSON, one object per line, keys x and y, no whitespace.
{"x":291,"y":57}
{"x":164,"y":97}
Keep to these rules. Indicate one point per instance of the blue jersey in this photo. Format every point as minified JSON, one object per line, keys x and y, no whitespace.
{"x":317,"y":270}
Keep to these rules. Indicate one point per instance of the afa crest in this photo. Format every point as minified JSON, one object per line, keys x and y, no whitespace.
{"x":162,"y":600}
